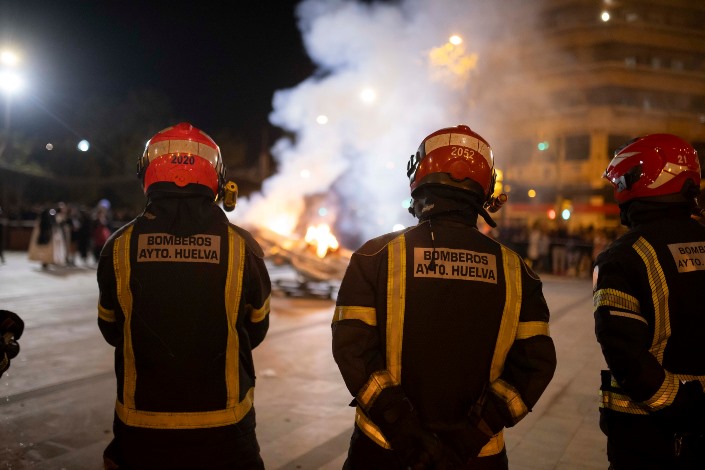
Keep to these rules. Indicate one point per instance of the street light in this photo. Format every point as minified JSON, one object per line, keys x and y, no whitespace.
{"x":11,"y":81}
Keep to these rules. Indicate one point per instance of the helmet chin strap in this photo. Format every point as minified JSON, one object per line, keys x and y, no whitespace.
{"x":420,"y":206}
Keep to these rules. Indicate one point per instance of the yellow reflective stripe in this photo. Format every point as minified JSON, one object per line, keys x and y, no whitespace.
{"x":121,"y":265}
{"x":493,"y":447}
{"x":510,"y":314}
{"x":377,"y":382}
{"x":616,"y":299}
{"x":105,"y":314}
{"x":370,"y":429}
{"x":258,"y":314}
{"x":688,"y":378}
{"x":185,"y":420}
{"x":528,"y":329}
{"x":659,"y":297}
{"x":619,"y":402}
{"x":662,"y":398}
{"x":633,"y":316}
{"x":666,"y":393}
{"x":365,"y":314}
{"x":396,"y":291}
{"x":233,"y":291}
{"x":511,"y":398}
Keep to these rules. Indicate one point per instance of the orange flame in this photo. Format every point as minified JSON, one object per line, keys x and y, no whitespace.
{"x":321,"y":238}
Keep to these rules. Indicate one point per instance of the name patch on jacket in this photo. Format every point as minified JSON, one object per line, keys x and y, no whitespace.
{"x":455,"y":264}
{"x":688,"y":256}
{"x":165,"y":247}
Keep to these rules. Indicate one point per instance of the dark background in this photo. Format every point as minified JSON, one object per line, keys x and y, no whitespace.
{"x":215,"y":64}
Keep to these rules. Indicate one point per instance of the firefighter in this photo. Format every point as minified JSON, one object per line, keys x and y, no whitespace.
{"x":441,"y":333}
{"x":11,"y":328}
{"x":649,"y":320}
{"x":184,"y":298}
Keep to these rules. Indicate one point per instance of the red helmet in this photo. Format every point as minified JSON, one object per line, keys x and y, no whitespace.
{"x":182,"y":154}
{"x":453,"y":156}
{"x":651,"y":166}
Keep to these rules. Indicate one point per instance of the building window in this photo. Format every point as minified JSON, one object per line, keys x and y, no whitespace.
{"x":577,"y":147}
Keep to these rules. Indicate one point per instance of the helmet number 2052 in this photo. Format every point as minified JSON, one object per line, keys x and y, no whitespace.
{"x":462,"y":152}
{"x":183,"y":159}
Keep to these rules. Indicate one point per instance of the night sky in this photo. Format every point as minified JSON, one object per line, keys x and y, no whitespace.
{"x":218,"y":63}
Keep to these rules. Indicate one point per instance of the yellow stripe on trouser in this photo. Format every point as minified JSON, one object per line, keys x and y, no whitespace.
{"x":235,"y":410}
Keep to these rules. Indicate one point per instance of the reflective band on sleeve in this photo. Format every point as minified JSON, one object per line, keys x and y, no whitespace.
{"x":511,"y":398}
{"x":494,"y":446}
{"x":666,"y":393}
{"x":664,"y":396}
{"x":617,"y":313}
{"x":105,"y":314}
{"x":619,"y":402}
{"x":365,"y":314}
{"x":378,"y":381}
{"x":258,"y":314}
{"x":528,"y":329}
{"x":370,"y":429}
{"x":616,"y":299}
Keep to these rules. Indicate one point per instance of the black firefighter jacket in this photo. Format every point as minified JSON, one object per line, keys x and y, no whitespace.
{"x":475,"y":320}
{"x":184,"y":298}
{"x":649,"y":312}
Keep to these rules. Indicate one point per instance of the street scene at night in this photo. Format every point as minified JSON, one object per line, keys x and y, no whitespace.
{"x":56,"y":401}
{"x":415,"y":176}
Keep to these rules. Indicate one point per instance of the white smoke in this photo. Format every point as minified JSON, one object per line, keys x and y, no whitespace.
{"x":387,"y":76}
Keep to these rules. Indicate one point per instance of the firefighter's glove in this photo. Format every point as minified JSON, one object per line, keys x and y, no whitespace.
{"x":394,"y":414}
{"x":11,"y":328}
{"x":463,"y":438}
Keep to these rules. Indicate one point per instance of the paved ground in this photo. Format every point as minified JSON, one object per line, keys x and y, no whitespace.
{"x":56,"y":401}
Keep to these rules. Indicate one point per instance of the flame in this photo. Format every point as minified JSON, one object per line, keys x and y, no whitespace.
{"x":321,"y":238}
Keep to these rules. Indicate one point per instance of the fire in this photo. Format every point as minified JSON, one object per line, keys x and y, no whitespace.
{"x":321,"y":238}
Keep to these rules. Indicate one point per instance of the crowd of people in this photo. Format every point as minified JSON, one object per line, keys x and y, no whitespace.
{"x":557,"y":249}
{"x":67,"y":234}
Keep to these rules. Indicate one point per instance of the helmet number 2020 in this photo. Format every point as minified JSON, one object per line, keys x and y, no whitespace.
{"x":461,"y":152}
{"x":183,"y":159}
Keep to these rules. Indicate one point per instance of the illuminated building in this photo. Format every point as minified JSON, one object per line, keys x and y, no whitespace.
{"x":580,"y":79}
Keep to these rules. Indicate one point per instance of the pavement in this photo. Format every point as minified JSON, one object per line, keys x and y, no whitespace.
{"x":56,"y":401}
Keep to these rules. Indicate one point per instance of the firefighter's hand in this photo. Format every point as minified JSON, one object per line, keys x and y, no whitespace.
{"x":11,"y":328}
{"x":463,"y":438}
{"x":416,"y":446}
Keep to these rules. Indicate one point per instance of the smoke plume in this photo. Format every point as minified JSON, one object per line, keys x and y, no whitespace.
{"x":388,"y":74}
